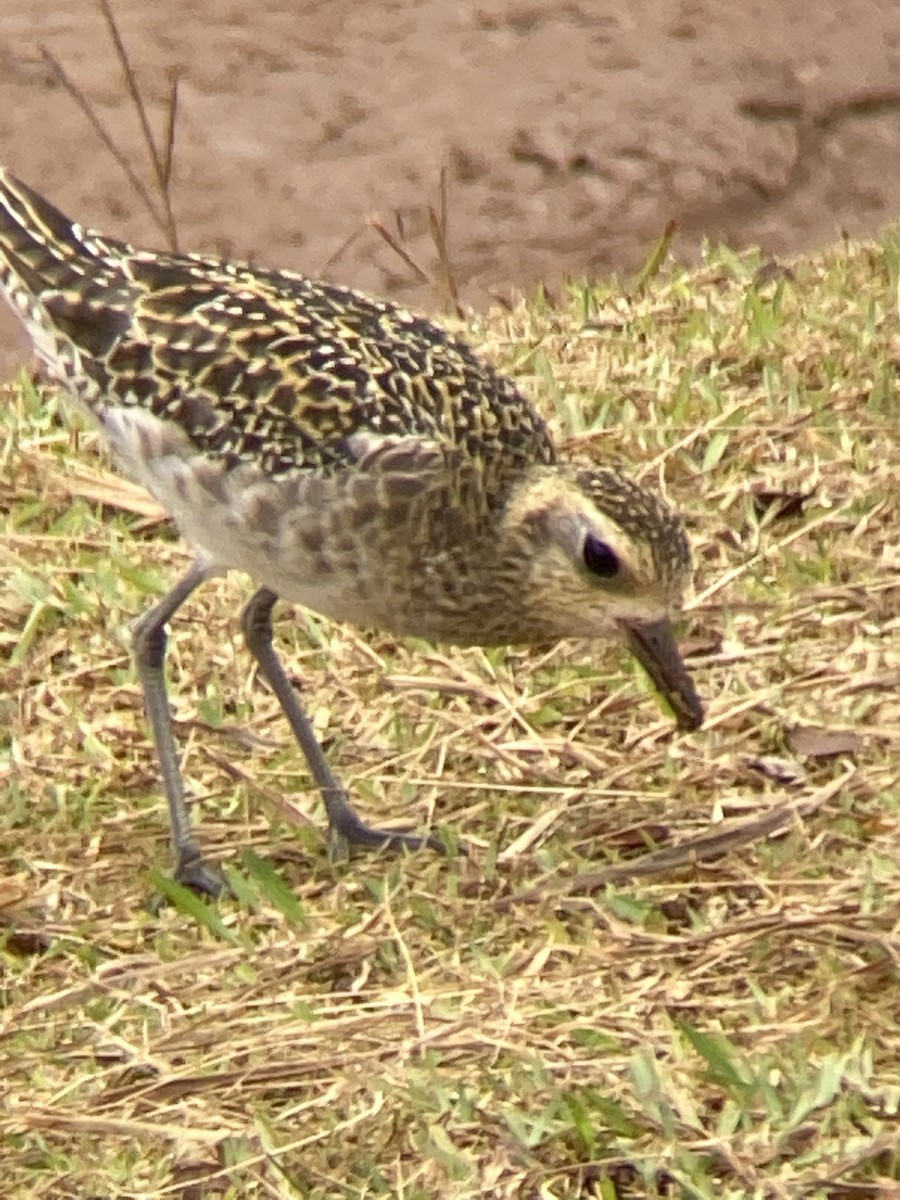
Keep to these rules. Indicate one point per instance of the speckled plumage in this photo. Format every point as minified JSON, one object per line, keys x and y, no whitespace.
{"x":348,"y":455}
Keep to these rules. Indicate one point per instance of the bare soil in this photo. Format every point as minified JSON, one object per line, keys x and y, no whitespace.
{"x":570,"y":132}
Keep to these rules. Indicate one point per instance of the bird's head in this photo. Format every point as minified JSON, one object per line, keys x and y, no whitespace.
{"x":605,"y":555}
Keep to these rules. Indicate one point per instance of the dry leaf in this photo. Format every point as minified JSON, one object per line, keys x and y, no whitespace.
{"x":785,"y":504}
{"x":816,"y":742}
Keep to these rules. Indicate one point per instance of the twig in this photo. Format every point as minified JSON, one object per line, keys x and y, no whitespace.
{"x":161,"y":157}
{"x":103,"y":134}
{"x":684,"y":854}
{"x":398,"y":249}
{"x":169,"y":133}
{"x":437,"y":224}
{"x":161,"y":160}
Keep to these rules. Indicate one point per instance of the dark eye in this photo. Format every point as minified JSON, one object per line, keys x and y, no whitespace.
{"x":600,"y":558}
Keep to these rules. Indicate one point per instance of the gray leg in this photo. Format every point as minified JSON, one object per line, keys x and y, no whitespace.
{"x":150,"y":640}
{"x":343,"y":822}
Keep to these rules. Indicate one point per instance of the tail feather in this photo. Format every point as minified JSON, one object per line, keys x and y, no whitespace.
{"x":65,"y":282}
{"x":41,"y":244}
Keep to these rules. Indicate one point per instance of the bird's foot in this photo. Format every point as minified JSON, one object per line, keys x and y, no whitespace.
{"x":346,"y":829}
{"x":192,"y":871}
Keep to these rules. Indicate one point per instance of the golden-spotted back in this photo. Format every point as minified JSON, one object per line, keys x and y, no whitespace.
{"x":253,"y":365}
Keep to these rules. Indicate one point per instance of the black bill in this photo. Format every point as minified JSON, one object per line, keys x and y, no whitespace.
{"x":653,"y":645}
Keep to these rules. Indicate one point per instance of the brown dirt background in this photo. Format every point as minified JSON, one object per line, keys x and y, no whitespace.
{"x":570,"y":132}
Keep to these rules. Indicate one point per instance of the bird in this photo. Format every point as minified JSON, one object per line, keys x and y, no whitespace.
{"x":349,"y":456}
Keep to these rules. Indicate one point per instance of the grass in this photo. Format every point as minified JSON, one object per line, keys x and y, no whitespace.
{"x":669,"y":966}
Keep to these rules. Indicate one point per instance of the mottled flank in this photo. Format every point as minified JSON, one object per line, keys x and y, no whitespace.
{"x":346,"y":454}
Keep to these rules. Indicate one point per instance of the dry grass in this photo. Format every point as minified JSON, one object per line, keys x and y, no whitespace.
{"x":720,"y":1019}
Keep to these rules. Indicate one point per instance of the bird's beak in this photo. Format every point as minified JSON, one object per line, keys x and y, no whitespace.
{"x":653,"y":644}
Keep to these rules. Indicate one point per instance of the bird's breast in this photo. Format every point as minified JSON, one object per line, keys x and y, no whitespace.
{"x":410,"y":552}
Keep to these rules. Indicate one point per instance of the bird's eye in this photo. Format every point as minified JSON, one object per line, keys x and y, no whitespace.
{"x":600,"y":558}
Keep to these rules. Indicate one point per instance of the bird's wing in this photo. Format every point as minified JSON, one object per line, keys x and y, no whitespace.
{"x":252,"y":364}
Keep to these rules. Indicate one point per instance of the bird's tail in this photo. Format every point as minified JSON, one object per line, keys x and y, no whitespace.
{"x":56,"y":275}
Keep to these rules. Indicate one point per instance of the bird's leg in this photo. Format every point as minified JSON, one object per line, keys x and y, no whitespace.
{"x":344,"y":825}
{"x":150,"y":638}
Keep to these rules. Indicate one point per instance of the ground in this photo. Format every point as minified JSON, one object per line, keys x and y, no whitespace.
{"x":668,"y":966}
{"x":571,"y":133}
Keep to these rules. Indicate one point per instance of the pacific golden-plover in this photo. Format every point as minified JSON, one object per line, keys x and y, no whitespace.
{"x":348,"y":456}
